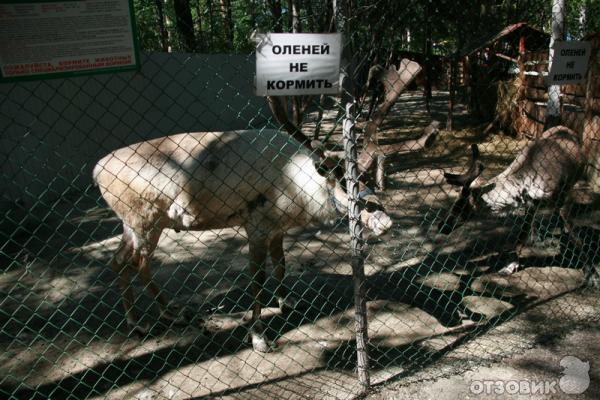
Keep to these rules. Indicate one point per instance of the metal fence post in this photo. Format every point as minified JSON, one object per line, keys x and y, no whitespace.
{"x":356,"y":230}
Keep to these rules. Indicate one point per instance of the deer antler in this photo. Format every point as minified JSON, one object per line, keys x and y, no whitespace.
{"x":394,"y":82}
{"x":279,"y":110}
{"x":475,"y":169}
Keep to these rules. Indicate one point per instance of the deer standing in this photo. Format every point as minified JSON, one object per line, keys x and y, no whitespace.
{"x":542,"y":174}
{"x":263,"y":180}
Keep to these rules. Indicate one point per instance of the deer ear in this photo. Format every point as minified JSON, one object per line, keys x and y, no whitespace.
{"x":453,"y":179}
{"x":330,"y":166}
{"x":485,"y":189}
{"x":475,"y":152}
{"x":317,"y":145}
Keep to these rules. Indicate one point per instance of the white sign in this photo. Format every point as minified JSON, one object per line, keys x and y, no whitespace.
{"x":298,"y":63}
{"x":65,"y":37}
{"x":569,"y":63}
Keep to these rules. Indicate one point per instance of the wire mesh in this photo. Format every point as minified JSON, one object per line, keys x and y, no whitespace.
{"x":196,"y":225}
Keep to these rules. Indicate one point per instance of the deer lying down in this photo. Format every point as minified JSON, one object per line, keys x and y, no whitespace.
{"x":263,"y":180}
{"x":542,"y":174}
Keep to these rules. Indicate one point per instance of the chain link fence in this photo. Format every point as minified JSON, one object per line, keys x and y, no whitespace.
{"x":134,"y":264}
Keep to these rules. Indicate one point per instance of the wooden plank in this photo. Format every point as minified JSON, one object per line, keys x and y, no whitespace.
{"x":575,"y":100}
{"x":539,"y":67}
{"x":535,"y":56}
{"x":536,"y":94}
{"x":575,"y":90}
{"x":536,"y":81}
{"x":573,"y":119}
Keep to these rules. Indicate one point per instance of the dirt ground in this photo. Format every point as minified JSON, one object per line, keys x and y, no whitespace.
{"x":438,"y":309}
{"x":530,"y":359}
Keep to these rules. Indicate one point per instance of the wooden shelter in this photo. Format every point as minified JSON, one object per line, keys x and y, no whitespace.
{"x":496,"y":60}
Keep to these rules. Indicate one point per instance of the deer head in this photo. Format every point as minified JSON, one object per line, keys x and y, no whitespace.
{"x":467,"y":202}
{"x":373,"y":215}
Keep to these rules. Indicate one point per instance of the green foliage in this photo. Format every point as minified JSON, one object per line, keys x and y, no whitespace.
{"x":147,"y":25}
{"x":451,"y":26}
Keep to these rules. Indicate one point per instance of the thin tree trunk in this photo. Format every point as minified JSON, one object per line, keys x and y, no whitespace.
{"x":311,"y":20}
{"x":294,"y":22}
{"x":428,"y":74}
{"x":200,"y":42}
{"x":185,"y":25}
{"x":227,"y":22}
{"x":275,"y":6}
{"x":211,"y":23}
{"x":451,"y":84}
{"x":558,"y":28}
{"x":251,"y":10}
{"x":164,"y":37}
{"x":294,"y":16}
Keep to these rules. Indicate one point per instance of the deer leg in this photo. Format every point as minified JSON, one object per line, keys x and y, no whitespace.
{"x":168,"y":311}
{"x":278,"y":259}
{"x":513,"y":266}
{"x":526,"y":235}
{"x":565,"y":215}
{"x":258,"y":256}
{"x":124,"y":255}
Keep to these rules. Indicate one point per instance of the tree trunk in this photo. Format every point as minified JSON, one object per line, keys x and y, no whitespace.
{"x":275,"y":6}
{"x":428,"y":58}
{"x":251,"y":10}
{"x":294,"y":16}
{"x":558,"y":28}
{"x":164,"y":36}
{"x":451,"y":86}
{"x":227,"y":22}
{"x":200,"y":39}
{"x":185,"y":25}
{"x":211,"y":23}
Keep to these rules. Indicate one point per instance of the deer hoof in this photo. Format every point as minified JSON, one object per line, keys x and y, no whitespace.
{"x":259,"y":340}
{"x":288,"y":304}
{"x":137,"y":329}
{"x":378,"y":222}
{"x":510,"y":268}
{"x":175,"y":316}
{"x":592,"y":277}
{"x":261,"y":344}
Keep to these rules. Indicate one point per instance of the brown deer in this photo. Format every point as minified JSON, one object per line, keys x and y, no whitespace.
{"x":263,"y":180}
{"x":542,"y":174}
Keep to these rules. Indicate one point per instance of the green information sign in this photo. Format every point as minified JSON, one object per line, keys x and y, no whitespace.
{"x":47,"y":39}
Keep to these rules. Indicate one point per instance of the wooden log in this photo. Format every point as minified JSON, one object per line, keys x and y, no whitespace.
{"x":507,"y":58}
{"x":414,"y":145}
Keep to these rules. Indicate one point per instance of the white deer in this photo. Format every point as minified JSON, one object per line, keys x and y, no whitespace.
{"x":263,"y":180}
{"x":541,"y":175}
